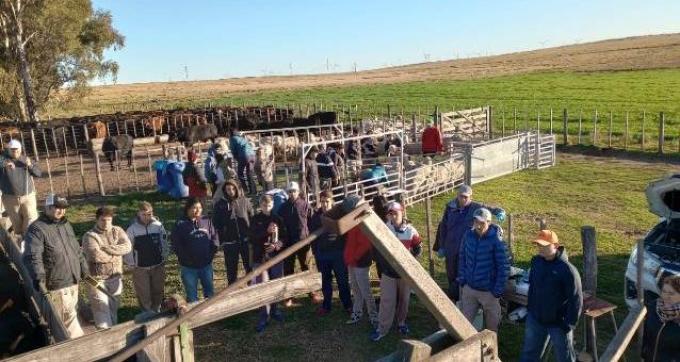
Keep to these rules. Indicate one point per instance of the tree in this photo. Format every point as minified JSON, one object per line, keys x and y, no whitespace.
{"x":51,"y":49}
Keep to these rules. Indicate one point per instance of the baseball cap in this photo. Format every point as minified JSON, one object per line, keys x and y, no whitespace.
{"x":394,"y":206}
{"x":293,"y":186}
{"x":482,"y":214}
{"x":546,"y":237}
{"x":56,"y":201}
{"x":14,"y":144}
{"x":465,"y":190}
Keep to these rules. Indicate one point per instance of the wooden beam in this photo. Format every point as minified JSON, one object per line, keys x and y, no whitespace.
{"x":480,"y":347}
{"x":102,"y":344}
{"x":427,"y":290}
{"x":414,"y":351}
{"x":620,"y":342}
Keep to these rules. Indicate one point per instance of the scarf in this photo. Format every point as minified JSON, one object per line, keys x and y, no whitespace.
{"x":668,"y":313}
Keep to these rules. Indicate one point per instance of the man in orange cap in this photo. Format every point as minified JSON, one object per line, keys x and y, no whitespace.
{"x":555,"y":301}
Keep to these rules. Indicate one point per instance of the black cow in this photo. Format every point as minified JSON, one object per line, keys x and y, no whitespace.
{"x":122,"y":143}
{"x":198,"y":133}
{"x":323,"y":118}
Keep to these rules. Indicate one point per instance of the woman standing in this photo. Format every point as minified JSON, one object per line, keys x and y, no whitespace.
{"x":195,"y":242}
{"x":662,"y":325}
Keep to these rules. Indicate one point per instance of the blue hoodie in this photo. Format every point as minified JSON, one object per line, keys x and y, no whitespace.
{"x":240,"y":148}
{"x":483,"y":261}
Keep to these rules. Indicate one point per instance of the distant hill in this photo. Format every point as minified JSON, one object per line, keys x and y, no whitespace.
{"x":634,"y":53}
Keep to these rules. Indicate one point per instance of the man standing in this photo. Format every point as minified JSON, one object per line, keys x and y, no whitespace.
{"x":483,"y":270}
{"x":147,"y":259}
{"x":245,"y":158}
{"x":457,"y":219}
{"x":55,"y":261}
{"x":432,"y":140}
{"x":104,"y":246}
{"x":231,"y":217}
{"x":311,"y":176}
{"x":328,"y":172}
{"x":16,"y":183}
{"x":555,"y":301}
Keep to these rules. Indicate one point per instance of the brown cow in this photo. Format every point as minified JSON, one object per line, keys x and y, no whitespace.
{"x":97,"y":129}
{"x":154,"y":124}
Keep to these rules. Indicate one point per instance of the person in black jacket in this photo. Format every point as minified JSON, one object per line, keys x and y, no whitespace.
{"x":662,"y":324}
{"x":311,"y":177}
{"x":328,"y":172}
{"x":266,"y":234}
{"x":328,"y":250}
{"x":56,"y":262}
{"x":555,"y":301}
{"x":195,"y":243}
{"x":231,"y":217}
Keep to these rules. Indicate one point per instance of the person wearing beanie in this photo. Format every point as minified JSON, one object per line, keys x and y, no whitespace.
{"x":104,"y":246}
{"x":555,"y":301}
{"x":395,"y":292}
{"x":18,"y":191}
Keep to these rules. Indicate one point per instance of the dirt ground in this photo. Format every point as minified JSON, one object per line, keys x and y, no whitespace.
{"x":644,"y":52}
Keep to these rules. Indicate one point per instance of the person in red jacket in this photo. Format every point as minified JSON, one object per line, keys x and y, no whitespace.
{"x":432,"y":140}
{"x":194,"y":177}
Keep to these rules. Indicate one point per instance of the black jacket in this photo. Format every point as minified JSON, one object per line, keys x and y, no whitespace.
{"x":259,"y":235}
{"x":231,"y":218}
{"x":555,"y":295}
{"x":194,"y":242}
{"x":53,"y":253}
{"x":18,"y":181}
{"x":661,"y":341}
{"x":327,"y":244}
{"x":295,"y":215}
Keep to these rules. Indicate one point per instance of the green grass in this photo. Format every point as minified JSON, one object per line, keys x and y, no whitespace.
{"x":579,"y":191}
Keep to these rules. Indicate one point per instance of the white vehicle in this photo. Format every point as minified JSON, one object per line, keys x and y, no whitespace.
{"x":661,"y":244}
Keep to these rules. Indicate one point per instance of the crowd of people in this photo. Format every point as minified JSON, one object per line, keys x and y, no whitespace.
{"x":476,"y":258}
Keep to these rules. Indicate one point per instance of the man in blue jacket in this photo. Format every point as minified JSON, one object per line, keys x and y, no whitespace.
{"x":555,"y":301}
{"x":457,"y":219}
{"x":244,"y":154}
{"x":482,"y":270}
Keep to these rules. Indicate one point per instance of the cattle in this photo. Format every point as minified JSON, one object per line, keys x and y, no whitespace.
{"x":121,"y":143}
{"x":198,"y":133}
{"x":154,"y":125}
{"x":97,"y":129}
{"x":323,"y":118}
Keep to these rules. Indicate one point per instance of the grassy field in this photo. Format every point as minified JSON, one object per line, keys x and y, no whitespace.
{"x":605,"y":193}
{"x":518,"y":101}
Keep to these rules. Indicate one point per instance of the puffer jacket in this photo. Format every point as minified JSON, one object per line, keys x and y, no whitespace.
{"x":52,"y":253}
{"x":104,"y":251}
{"x":18,"y":181}
{"x":483,"y":262}
{"x":231,"y":217}
{"x":555,"y":295}
{"x":149,"y":244}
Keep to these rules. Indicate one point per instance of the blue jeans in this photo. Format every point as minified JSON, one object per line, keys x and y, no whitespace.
{"x":190,"y":278}
{"x":536,"y":339}
{"x":329,"y":264}
{"x":246,"y":173}
{"x":275,"y":272}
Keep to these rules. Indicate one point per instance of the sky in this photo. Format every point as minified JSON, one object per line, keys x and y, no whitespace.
{"x":174,"y":40}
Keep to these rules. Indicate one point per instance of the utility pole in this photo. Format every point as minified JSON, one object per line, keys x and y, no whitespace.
{"x":186,"y":72}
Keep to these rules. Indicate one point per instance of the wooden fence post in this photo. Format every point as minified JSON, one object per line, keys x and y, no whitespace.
{"x":642,"y":140}
{"x":589,"y":242}
{"x":82,"y":174}
{"x":565,"y":129}
{"x":511,"y":238}
{"x":98,"y":171}
{"x":68,"y":182}
{"x":428,"y":216}
{"x":49,"y":175}
{"x":134,"y":170}
{"x":34,"y":145}
{"x":580,"y":125}
{"x":595,"y":129}
{"x":625,"y":134}
{"x":551,"y":120}
{"x":662,"y":131}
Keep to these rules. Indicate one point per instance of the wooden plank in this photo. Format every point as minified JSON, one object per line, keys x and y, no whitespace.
{"x":102,"y":344}
{"x":414,"y":351}
{"x":157,"y":351}
{"x":482,"y":346}
{"x":623,"y":336}
{"x":428,"y":292}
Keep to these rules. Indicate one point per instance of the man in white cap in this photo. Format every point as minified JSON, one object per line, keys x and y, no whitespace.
{"x":55,"y":261}
{"x":18,"y":191}
{"x":483,"y":269}
{"x":294,"y":213}
{"x":457,"y":219}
